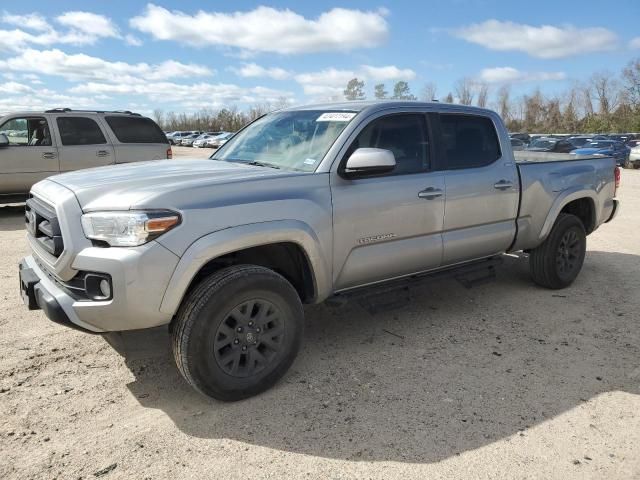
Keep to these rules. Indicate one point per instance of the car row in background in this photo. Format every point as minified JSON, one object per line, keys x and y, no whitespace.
{"x":199,"y":139}
{"x":625,"y":148}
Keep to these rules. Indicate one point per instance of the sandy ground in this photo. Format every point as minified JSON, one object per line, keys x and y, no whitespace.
{"x":505,"y":380}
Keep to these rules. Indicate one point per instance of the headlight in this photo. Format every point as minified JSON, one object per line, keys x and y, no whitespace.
{"x":128,"y":229}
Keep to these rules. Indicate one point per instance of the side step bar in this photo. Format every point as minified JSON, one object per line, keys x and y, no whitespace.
{"x":469,"y":275}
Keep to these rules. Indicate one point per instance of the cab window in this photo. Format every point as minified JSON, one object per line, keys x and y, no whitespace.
{"x":403,"y":134}
{"x":469,"y":140}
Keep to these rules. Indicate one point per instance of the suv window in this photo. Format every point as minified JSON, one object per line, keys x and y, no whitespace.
{"x":136,"y":129}
{"x":27,"y":132}
{"x":468,"y":140}
{"x":80,"y":131}
{"x":403,"y":134}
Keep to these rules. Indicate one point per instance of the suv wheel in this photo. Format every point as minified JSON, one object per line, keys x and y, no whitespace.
{"x":238,"y":332}
{"x":558,"y":260}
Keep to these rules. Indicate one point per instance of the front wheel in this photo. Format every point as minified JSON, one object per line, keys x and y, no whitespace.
{"x":238,"y":332}
{"x":558,"y":260}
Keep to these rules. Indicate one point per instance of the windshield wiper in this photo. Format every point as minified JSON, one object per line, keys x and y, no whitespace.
{"x":255,"y":163}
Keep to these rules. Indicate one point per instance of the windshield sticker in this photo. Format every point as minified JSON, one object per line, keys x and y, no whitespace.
{"x":336,"y":117}
{"x":310,"y":161}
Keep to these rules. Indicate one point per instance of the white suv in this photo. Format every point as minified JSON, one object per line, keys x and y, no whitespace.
{"x":36,"y":145}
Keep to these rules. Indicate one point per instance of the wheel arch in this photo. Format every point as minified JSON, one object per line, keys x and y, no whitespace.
{"x":581,"y":203}
{"x":290,"y":248}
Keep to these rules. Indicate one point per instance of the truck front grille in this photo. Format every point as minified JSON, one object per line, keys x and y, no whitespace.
{"x":42,"y":224}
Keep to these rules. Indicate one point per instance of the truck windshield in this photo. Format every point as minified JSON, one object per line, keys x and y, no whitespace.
{"x":290,"y":140}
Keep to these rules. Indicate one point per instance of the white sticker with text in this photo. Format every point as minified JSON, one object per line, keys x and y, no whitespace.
{"x":336,"y":117}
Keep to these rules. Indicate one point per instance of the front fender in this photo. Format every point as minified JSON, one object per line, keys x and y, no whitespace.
{"x":233,"y":239}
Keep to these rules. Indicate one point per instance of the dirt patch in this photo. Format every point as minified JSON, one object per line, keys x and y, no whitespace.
{"x":504,"y":380}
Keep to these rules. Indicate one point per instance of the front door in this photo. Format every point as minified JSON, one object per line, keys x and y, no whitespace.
{"x":83,"y":144}
{"x":482,"y":189}
{"x":389,"y":225}
{"x":30,"y":156}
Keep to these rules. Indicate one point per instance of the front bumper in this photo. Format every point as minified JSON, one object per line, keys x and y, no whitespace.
{"x":139,"y":276}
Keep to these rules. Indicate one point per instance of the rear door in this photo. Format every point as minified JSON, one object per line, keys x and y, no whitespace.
{"x":83,"y":143}
{"x":137,"y":138}
{"x":482,"y":188}
{"x":389,"y":225}
{"x":30,"y":156}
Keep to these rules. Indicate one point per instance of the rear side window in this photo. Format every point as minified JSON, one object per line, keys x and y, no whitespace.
{"x":136,"y":129}
{"x":80,"y":131}
{"x":468,"y":140}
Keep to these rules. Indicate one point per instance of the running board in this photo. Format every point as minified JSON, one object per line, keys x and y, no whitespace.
{"x":469,"y":275}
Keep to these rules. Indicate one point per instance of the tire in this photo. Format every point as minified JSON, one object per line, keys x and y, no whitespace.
{"x":238,"y":332}
{"x":558,"y":260}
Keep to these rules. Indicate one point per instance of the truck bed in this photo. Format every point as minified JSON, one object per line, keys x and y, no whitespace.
{"x":546,"y":178}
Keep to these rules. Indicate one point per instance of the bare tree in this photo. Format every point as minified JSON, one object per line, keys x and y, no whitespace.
{"x":483,"y":94}
{"x":448,"y":98}
{"x":429,"y":92}
{"x":504,"y":107}
{"x":464,"y":91}
{"x":158,"y":116}
{"x":631,"y":82}
{"x":606,"y":91}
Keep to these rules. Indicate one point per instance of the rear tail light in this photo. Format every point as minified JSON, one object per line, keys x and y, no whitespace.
{"x":616,"y":175}
{"x":169,"y":153}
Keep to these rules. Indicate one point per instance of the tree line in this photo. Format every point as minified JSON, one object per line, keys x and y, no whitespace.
{"x":605,"y":102}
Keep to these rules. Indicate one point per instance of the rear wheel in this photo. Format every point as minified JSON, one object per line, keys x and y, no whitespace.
{"x":557,"y":262}
{"x":238,"y":332}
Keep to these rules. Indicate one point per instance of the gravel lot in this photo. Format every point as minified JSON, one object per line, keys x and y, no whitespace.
{"x":505,"y":380}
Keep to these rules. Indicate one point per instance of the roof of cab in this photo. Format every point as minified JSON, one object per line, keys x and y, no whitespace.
{"x":375,"y":105}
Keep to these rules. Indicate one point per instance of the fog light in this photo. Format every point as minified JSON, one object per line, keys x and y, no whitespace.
{"x":105,"y":288}
{"x":98,"y":286}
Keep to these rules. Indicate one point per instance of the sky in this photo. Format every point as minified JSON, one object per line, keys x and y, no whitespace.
{"x":189,"y":55}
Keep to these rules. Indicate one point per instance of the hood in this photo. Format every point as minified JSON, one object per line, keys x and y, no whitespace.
{"x":144,"y":184}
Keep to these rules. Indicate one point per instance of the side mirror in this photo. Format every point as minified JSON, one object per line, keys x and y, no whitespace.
{"x":4,"y":141}
{"x":370,"y":161}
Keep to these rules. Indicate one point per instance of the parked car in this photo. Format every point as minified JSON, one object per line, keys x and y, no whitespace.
{"x":524,"y":137}
{"x":189,"y":139}
{"x":614,"y":149}
{"x":35,"y":145}
{"x":633,"y":160}
{"x":301,"y":205}
{"x":517,"y":145}
{"x":579,"y":140}
{"x":548,"y":144}
{"x":219,"y":140}
{"x":201,"y":141}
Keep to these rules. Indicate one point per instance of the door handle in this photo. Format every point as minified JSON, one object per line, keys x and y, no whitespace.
{"x":102,"y":153}
{"x":49,"y":155}
{"x":430,"y":193}
{"x":503,"y":185}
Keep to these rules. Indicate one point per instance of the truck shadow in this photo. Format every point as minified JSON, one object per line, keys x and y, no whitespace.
{"x":11,"y":217}
{"x":438,"y":370}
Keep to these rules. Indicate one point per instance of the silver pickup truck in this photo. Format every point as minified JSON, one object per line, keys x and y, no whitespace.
{"x":301,"y":205}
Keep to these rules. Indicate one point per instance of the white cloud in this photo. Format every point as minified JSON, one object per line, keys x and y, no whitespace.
{"x":253,"y":70}
{"x":513,"y":75}
{"x":30,"y":21}
{"x":79,"y":28}
{"x":89,"y":23}
{"x":331,"y":82}
{"x":132,"y":40}
{"x":84,"y":67}
{"x":546,"y":41}
{"x":195,"y":96}
{"x":390,"y":72}
{"x":634,"y":43}
{"x":14,"y":88}
{"x":267,"y":29}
